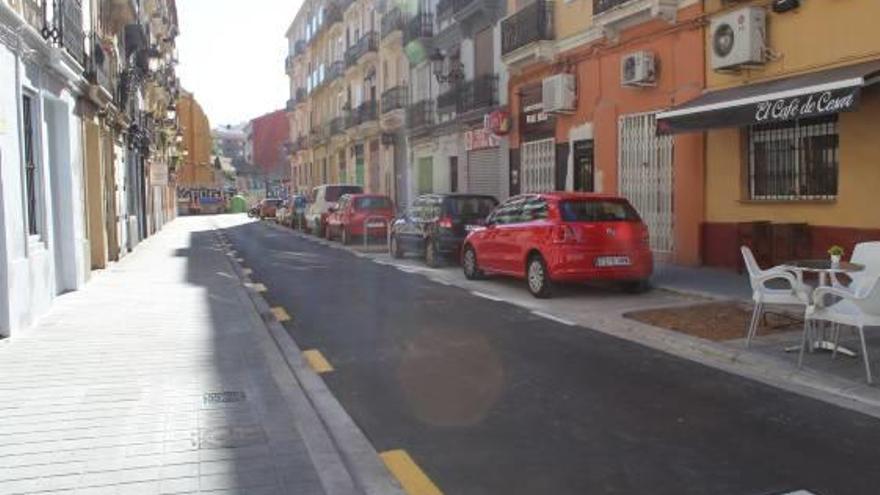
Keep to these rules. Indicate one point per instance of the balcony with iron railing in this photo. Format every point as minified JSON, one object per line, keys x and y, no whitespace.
{"x":394,"y":99}
{"x":420,"y":26}
{"x":369,"y":42}
{"x":533,"y":23}
{"x":60,"y":22}
{"x":291,"y":104}
{"x":300,"y":95}
{"x":612,"y":15}
{"x":343,"y":5}
{"x":392,"y":21}
{"x":366,"y":112}
{"x":99,"y":71}
{"x":479,"y":93}
{"x":289,"y":64}
{"x":337,"y":126}
{"x":349,"y":118}
{"x":420,"y":115}
{"x":299,"y":48}
{"x":335,"y":70}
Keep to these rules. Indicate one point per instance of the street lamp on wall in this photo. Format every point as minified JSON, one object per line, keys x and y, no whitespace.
{"x":439,"y":66}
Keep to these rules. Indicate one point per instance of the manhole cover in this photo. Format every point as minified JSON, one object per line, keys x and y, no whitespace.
{"x":230,"y":437}
{"x":222,"y":397}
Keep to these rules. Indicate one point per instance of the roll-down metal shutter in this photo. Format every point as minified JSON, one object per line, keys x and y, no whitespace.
{"x":484,"y":172}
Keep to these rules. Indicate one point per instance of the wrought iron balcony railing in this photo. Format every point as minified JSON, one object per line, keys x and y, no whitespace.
{"x":299,"y":48}
{"x":343,"y":5}
{"x":420,"y":114}
{"x":99,"y":70}
{"x":600,"y":6}
{"x":419,"y":27}
{"x":479,"y":93}
{"x":288,"y":63}
{"x":337,"y":126}
{"x":369,"y":42}
{"x":532,"y":23}
{"x":335,"y":70}
{"x":60,"y":22}
{"x":366,"y":112}
{"x":301,"y":95}
{"x":392,"y":21}
{"x":291,"y":105}
{"x":394,"y":99}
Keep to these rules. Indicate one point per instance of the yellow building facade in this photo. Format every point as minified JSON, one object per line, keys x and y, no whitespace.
{"x":799,"y":176}
{"x":196,"y":169}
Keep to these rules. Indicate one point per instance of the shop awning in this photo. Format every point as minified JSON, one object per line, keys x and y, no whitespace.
{"x":809,"y":95}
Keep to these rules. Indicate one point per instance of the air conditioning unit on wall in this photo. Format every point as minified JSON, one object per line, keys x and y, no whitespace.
{"x":738,"y":38}
{"x":558,"y":93}
{"x":638,"y":69}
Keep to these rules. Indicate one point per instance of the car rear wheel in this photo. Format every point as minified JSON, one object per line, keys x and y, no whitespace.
{"x":394,"y":248}
{"x":469,"y":264}
{"x":432,"y":253}
{"x":537,"y":278}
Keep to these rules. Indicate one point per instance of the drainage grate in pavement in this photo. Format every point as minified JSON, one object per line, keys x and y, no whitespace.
{"x":230,"y":437}
{"x":223,"y":397}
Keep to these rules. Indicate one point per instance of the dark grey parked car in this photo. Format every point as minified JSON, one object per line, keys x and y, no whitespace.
{"x":436,"y":224}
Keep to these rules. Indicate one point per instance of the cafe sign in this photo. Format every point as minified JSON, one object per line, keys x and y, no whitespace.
{"x":805,"y":106}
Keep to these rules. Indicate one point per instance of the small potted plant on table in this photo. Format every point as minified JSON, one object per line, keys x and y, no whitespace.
{"x":836,"y":253}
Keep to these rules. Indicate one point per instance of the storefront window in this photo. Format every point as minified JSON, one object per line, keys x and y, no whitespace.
{"x":794,"y":160}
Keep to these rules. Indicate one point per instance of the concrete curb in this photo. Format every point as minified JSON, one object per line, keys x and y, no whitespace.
{"x":334,"y":440}
{"x":748,"y":364}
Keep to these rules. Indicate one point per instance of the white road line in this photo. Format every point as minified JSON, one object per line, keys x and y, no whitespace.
{"x":553,"y":318}
{"x":486,"y":296}
{"x":799,"y":492}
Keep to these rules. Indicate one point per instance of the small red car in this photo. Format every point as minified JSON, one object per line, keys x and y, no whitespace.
{"x":562,"y":237}
{"x":360,"y":214}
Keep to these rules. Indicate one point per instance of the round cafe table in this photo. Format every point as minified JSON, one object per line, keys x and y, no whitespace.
{"x":823,"y":268}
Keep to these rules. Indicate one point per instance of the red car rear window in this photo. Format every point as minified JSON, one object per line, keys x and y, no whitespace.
{"x":591,"y":210}
{"x":369,"y":203}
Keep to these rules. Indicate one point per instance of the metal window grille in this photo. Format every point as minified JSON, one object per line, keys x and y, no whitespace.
{"x":646,"y":176}
{"x":794,"y":160}
{"x":539,"y":166}
{"x":30,"y":165}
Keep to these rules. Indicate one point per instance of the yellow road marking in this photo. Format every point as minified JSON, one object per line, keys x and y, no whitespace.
{"x":247,"y":271}
{"x":411,"y":477}
{"x":256,"y":287}
{"x":317,"y":361}
{"x":280,"y":314}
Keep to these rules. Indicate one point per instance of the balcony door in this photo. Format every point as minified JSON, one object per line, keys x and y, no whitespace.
{"x":483,"y":51}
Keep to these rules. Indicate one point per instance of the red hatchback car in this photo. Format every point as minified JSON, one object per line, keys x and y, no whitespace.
{"x":355,"y":212}
{"x":562,"y":237}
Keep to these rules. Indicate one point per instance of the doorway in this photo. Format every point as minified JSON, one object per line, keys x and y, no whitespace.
{"x":582,"y":157}
{"x":63,"y":238}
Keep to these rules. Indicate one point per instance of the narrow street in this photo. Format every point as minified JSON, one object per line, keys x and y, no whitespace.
{"x":489,"y":398}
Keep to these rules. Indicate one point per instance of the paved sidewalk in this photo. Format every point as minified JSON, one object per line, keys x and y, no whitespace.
{"x":157,"y":378}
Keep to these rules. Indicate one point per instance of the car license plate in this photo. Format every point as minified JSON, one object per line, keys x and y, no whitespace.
{"x":606,"y":261}
{"x":375,"y":225}
{"x":471,"y":228}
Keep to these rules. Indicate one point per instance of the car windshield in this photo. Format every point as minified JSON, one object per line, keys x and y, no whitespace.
{"x":470,"y":206}
{"x":333,"y":193}
{"x":591,"y":210}
{"x":372,"y":203}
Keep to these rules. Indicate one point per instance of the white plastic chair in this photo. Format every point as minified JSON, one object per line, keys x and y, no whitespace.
{"x":868,"y":254}
{"x":795,"y":294}
{"x":856,"y":310}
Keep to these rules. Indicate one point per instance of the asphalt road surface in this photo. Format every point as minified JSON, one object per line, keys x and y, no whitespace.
{"x":490,"y":399}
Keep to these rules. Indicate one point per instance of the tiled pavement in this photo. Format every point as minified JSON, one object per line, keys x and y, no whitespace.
{"x":107,"y":393}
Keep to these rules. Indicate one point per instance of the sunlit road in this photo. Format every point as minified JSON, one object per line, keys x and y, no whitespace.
{"x":490,"y":399}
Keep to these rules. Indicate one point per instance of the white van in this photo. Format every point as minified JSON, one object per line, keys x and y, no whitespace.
{"x":324,"y":197}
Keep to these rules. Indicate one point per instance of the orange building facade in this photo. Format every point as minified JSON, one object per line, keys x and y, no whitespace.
{"x":625,"y":66}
